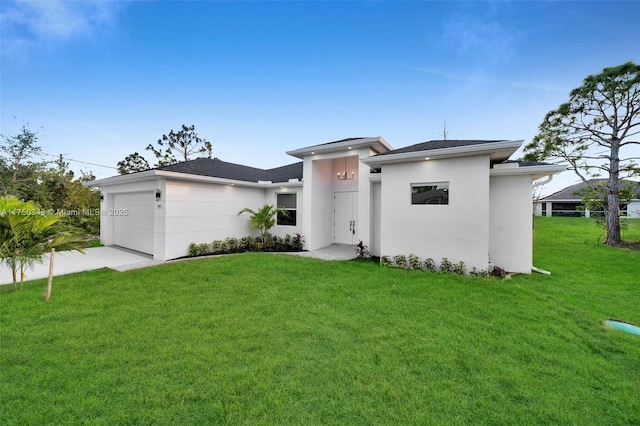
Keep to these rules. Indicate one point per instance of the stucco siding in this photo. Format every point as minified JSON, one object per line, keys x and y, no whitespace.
{"x":318,"y":203}
{"x":376,"y":206}
{"x":511,"y":223}
{"x":201,"y":213}
{"x":458,"y":231}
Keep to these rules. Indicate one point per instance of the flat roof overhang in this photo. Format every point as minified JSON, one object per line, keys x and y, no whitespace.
{"x":497,"y":151}
{"x":377,"y":144}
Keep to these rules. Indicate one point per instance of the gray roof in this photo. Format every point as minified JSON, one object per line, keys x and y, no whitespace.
{"x":439,"y":144}
{"x":569,"y":193}
{"x":523,"y":163}
{"x":222,"y":169}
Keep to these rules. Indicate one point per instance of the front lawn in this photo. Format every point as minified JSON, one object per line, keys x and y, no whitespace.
{"x":277,"y":339}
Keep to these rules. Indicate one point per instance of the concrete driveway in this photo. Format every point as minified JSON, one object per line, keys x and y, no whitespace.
{"x":72,"y":261}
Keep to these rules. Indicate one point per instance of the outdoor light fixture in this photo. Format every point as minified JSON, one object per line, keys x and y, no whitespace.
{"x":158,"y":194}
{"x":101,"y":196}
{"x":343,"y":175}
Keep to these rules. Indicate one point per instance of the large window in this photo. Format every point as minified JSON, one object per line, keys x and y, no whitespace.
{"x":288,"y":202}
{"x":430,"y":193}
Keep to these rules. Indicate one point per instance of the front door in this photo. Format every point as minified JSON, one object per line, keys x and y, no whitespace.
{"x":345,"y":213}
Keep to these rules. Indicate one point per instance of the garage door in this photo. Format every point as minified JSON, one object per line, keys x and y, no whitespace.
{"x":133,"y":221}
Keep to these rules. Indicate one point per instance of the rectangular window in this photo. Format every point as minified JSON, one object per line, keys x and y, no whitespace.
{"x":430,"y":193}
{"x":288,"y":202}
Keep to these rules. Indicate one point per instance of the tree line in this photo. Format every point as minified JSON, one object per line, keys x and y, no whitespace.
{"x":51,"y":185}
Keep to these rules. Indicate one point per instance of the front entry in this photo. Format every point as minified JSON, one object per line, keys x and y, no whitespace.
{"x":345,"y":213}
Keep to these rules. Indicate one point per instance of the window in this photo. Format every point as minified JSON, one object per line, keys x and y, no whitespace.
{"x":430,"y":193}
{"x":288,"y":202}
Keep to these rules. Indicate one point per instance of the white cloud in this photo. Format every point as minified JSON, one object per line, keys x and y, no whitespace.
{"x":27,"y":24}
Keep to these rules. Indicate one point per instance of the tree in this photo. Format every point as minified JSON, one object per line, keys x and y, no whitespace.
{"x":19,"y":167}
{"x":593,"y":131}
{"x":594,"y":197}
{"x":27,"y":233}
{"x":133,"y":163}
{"x":263,"y":219}
{"x":180,"y":146}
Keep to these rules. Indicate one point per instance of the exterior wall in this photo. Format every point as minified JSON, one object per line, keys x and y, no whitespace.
{"x":271,"y":198}
{"x":633,"y":209}
{"x":376,"y":206}
{"x":106,"y":205}
{"x":511,"y":223}
{"x":203,"y":212}
{"x":458,"y":231}
{"x":537,"y":208}
{"x":317,"y":203}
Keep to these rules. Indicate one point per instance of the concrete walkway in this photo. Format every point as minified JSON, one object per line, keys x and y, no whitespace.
{"x":332,"y":252}
{"x":69,"y":262}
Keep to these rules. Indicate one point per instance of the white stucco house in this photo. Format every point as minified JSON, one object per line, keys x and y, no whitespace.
{"x":568,"y":201}
{"x":460,"y":199}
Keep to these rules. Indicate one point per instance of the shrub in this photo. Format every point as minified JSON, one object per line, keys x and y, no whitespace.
{"x":400,"y":261}
{"x":217,"y":247}
{"x":384,"y":260}
{"x":362,"y":251}
{"x":193,"y":249}
{"x":414,"y":262}
{"x":204,"y":249}
{"x":297,"y":242}
{"x":430,"y":265}
{"x":446,"y":267}
{"x":460,"y":268}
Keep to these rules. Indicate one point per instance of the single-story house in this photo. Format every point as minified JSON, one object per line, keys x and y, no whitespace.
{"x":568,"y":202}
{"x":459,"y":199}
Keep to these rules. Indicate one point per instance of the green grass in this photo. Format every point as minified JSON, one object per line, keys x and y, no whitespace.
{"x":277,"y":339}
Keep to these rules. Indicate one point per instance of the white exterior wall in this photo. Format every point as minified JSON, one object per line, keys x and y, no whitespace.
{"x":511,"y":223}
{"x":106,"y":206}
{"x":320,"y":185}
{"x":458,"y":231}
{"x":537,"y":208}
{"x":197,"y":212}
{"x":633,"y":209}
{"x":317,"y":203}
{"x":271,"y":198}
{"x":376,"y":206}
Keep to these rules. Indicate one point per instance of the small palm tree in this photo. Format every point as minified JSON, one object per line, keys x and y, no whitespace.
{"x":27,"y":233}
{"x":264,"y":218}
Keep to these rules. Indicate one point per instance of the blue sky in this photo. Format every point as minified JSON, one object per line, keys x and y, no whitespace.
{"x":100,"y":80}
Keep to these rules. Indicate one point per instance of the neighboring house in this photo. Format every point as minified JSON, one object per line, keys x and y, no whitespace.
{"x":460,"y":199}
{"x":568,"y":202}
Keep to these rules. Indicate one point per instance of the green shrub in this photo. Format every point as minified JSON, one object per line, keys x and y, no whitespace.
{"x":459,"y":268}
{"x":446,"y":267}
{"x":429,"y":265}
{"x":400,"y":261}
{"x":414,"y":262}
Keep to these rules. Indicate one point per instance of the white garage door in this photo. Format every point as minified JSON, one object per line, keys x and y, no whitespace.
{"x":133,"y":221}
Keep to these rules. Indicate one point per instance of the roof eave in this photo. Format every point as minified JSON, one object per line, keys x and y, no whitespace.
{"x":378,"y":144}
{"x":153,"y":174}
{"x":499,"y":151}
{"x":536,"y":172}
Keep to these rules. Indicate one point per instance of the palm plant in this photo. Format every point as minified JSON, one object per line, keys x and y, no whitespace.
{"x":263,"y":219}
{"x":27,"y":233}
